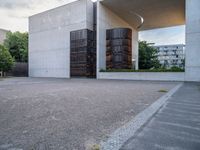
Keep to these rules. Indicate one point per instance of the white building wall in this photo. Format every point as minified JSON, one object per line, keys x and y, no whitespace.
{"x":171,"y":55}
{"x":148,"y":76}
{"x":106,"y":19}
{"x":2,"y":35}
{"x":49,"y":38}
{"x":192,"y":40}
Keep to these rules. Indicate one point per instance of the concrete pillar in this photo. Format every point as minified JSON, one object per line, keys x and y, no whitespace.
{"x":192,"y":40}
{"x":136,"y":53}
{"x":107,"y":19}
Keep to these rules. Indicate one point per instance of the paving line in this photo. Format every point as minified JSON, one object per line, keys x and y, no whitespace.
{"x":121,"y":135}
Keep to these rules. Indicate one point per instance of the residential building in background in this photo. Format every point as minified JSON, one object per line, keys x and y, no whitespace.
{"x":171,"y":55}
{"x":2,"y":35}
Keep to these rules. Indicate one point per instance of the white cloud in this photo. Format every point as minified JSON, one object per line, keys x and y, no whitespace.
{"x":14,"y":16}
{"x":14,"y":13}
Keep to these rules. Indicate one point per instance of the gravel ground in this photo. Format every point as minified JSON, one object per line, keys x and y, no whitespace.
{"x":61,"y":114}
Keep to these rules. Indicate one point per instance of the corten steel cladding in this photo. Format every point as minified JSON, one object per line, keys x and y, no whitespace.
{"x":119,"y":48}
{"x":83,"y":53}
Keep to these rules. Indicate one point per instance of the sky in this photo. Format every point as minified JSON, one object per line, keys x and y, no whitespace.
{"x":14,"y":16}
{"x":164,"y":36}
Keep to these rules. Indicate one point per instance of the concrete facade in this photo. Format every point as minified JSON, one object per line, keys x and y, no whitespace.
{"x":49,"y":38}
{"x":106,"y":19}
{"x":192,"y":40}
{"x":150,"y":76}
{"x":2,"y":35}
{"x":177,"y":13}
{"x":155,"y":13}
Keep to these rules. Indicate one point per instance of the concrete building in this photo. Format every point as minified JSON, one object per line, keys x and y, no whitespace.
{"x":49,"y":38}
{"x":2,"y":35}
{"x":171,"y":55}
{"x":49,"y":41}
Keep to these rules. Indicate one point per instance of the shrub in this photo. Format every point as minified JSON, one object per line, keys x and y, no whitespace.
{"x":174,"y":69}
{"x":6,"y":60}
{"x":148,"y":57}
{"x":17,"y":45}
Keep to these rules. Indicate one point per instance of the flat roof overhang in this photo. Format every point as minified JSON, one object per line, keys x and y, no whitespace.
{"x":155,"y":13}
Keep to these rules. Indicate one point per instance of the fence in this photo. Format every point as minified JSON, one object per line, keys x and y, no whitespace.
{"x":19,"y":70}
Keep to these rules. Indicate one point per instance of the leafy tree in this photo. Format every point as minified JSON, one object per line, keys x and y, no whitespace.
{"x":147,"y":56}
{"x":17,"y":44}
{"x":6,"y":60}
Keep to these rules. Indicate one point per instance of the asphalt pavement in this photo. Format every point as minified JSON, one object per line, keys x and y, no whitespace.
{"x":175,"y":127}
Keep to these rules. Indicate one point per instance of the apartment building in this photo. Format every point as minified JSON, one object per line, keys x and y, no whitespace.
{"x":2,"y":35}
{"x":171,"y":55}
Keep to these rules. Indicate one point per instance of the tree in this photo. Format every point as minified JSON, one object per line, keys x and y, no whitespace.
{"x":17,"y":44}
{"x":6,"y":60}
{"x":147,"y":56}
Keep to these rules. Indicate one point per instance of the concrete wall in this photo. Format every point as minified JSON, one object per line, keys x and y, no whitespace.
{"x":49,"y":38}
{"x":106,"y":19}
{"x":2,"y":35}
{"x":192,"y":40}
{"x":151,"y":76}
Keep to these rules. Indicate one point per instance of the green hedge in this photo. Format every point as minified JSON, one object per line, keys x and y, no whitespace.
{"x":173,"y":69}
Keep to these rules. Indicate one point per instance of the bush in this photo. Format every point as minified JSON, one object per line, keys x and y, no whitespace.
{"x":176,"y":69}
{"x":148,"y":57}
{"x":6,"y":60}
{"x":173,"y":69}
{"x":17,"y":45}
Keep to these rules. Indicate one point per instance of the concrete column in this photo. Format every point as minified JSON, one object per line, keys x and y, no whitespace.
{"x":192,"y":40}
{"x":107,"y":19}
{"x":136,"y":52}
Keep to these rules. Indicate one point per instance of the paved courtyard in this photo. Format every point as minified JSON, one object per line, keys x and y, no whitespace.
{"x":60,"y":114}
{"x":175,"y":127}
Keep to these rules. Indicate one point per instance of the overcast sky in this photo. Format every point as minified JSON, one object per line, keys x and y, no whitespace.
{"x":14,"y":16}
{"x":163,"y":36}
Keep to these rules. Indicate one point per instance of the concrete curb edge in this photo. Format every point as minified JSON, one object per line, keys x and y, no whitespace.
{"x":122,"y":134}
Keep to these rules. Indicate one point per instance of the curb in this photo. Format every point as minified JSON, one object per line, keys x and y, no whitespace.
{"x":122,"y":134}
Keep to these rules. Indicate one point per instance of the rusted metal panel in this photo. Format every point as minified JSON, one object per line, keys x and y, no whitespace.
{"x":119,"y":48}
